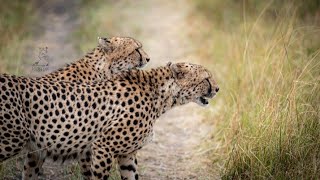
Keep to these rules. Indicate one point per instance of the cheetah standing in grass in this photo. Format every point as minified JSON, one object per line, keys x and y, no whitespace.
{"x":99,"y":122}
{"x":111,"y":56}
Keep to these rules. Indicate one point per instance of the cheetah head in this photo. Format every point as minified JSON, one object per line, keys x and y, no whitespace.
{"x":125,"y":52}
{"x":194,"y":83}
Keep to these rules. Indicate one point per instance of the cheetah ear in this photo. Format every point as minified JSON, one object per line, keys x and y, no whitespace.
{"x":103,"y":41}
{"x":176,"y":70}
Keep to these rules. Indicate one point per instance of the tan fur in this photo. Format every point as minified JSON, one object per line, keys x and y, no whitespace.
{"x":111,"y":56}
{"x":96,"y":125}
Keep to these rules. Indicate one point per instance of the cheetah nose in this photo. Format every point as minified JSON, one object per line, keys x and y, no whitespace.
{"x":147,"y":59}
{"x":217,"y":89}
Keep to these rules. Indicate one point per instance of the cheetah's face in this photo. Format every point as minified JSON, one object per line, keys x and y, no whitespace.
{"x":196,"y":83}
{"x":137,"y":59}
{"x":128,"y":49}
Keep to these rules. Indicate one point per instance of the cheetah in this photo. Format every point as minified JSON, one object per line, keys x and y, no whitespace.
{"x":112,"y":55}
{"x":98,"y":122}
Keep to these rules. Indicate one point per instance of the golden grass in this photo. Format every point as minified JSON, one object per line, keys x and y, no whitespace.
{"x":15,"y":18}
{"x":268,"y":68}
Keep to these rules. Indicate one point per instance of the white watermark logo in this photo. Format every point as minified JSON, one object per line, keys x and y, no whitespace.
{"x":42,"y":64}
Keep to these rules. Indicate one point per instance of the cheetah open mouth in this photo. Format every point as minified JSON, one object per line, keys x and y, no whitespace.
{"x":202,"y":101}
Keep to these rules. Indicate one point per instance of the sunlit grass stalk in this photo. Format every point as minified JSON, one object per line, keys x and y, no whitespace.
{"x":268,"y":70}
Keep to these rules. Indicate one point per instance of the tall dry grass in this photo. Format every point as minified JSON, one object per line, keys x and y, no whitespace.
{"x":15,"y":20}
{"x":268,"y":67}
{"x":15,"y":24}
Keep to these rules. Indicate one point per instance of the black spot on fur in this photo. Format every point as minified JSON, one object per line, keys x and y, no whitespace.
{"x":128,"y":168}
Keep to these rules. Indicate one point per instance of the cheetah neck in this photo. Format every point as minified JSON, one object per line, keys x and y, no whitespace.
{"x":162,"y":84}
{"x":89,"y":68}
{"x":166,"y":88}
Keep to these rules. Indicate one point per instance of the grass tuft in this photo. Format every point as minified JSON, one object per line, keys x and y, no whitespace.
{"x":268,"y":68}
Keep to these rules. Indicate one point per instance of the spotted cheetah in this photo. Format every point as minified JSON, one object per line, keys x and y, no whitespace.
{"x":112,"y":55}
{"x":98,"y":122}
{"x":109,"y":57}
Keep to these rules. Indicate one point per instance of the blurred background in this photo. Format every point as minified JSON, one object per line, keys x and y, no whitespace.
{"x":263,"y":124}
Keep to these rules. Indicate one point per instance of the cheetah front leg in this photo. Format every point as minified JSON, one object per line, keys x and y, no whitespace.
{"x":85,"y":165}
{"x":101,"y":164}
{"x":32,"y":166}
{"x":128,"y":166}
